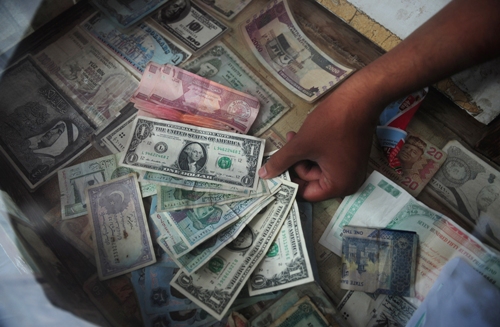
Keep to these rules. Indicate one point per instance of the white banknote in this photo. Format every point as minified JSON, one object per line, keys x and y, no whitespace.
{"x":194,"y":153}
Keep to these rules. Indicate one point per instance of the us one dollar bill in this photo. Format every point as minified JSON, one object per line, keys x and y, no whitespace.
{"x":278,"y":43}
{"x":171,"y":199}
{"x":196,"y":258}
{"x":419,"y":158}
{"x":194,"y":153}
{"x":379,"y":260}
{"x":135,"y":47}
{"x":225,"y":8}
{"x":122,"y":240}
{"x":195,"y":226}
{"x":96,"y":82}
{"x":215,"y":286}
{"x":221,"y":65}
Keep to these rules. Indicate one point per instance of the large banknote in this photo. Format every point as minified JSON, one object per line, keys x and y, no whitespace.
{"x":383,"y":204}
{"x":125,"y":14}
{"x":41,"y":129}
{"x":171,"y":199}
{"x":278,"y":43}
{"x":96,"y":82}
{"x":169,"y":87}
{"x":137,"y":46}
{"x":122,"y":240}
{"x":195,"y":30}
{"x":419,"y":159}
{"x":215,"y":286}
{"x":471,"y":188}
{"x":195,"y":226}
{"x":379,"y":261}
{"x":75,"y":179}
{"x":221,"y":65}
{"x":302,"y":313}
{"x":194,"y":153}
{"x":196,"y":258}
{"x":225,"y":8}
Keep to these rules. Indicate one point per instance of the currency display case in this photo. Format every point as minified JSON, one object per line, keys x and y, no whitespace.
{"x":59,"y":251}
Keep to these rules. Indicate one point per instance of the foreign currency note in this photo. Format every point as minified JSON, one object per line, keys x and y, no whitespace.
{"x":226,"y":8}
{"x":471,"y":188}
{"x":75,"y":179}
{"x":302,"y":313}
{"x":194,"y":153}
{"x":172,"y":87}
{"x":135,"y":47}
{"x":171,"y":199}
{"x":97,"y":83}
{"x":360,"y":309}
{"x":125,"y":14}
{"x":215,"y":286}
{"x":379,"y":260}
{"x":278,"y":43}
{"x":41,"y":130}
{"x":196,"y":30}
{"x":122,"y":240}
{"x":419,"y":158}
{"x":196,"y":258}
{"x":195,"y":226}
{"x":383,"y":204}
{"x":147,"y":189}
{"x":221,"y":65}
{"x":280,"y":306}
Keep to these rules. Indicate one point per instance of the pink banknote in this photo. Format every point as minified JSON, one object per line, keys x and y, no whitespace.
{"x":165,"y":89}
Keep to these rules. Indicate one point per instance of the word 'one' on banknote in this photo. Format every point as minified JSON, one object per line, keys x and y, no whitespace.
{"x":278,"y":43}
{"x":379,"y":260}
{"x":194,"y":153}
{"x":122,"y":242}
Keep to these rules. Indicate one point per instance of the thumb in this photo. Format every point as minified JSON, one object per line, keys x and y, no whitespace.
{"x":283,"y":159}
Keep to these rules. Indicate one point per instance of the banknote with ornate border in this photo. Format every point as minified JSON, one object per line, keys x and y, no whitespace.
{"x":221,"y":65}
{"x":41,"y":129}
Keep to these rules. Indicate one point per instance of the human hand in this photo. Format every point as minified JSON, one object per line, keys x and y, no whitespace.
{"x":329,"y":154}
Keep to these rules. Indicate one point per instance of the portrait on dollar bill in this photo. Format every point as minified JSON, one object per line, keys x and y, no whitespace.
{"x":471,"y":188}
{"x":174,"y":11}
{"x":192,"y":158}
{"x":42,"y":130}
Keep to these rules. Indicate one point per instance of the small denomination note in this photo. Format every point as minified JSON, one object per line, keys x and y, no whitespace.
{"x":379,"y":260}
{"x":169,"y":87}
{"x":302,"y":313}
{"x":419,"y":158}
{"x":278,"y":43}
{"x":225,"y":8}
{"x":221,"y":65}
{"x":215,"y":286}
{"x":135,"y":47}
{"x":194,"y":153}
{"x":196,"y":30}
{"x":122,"y":240}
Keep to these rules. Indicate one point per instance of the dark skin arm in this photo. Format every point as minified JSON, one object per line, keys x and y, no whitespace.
{"x":329,"y":154}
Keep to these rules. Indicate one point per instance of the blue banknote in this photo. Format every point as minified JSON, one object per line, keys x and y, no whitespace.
{"x":137,"y":46}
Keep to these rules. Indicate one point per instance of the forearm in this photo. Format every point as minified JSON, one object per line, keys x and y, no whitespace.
{"x":462,"y":34}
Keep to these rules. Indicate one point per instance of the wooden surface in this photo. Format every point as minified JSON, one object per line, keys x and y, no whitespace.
{"x":438,"y":120}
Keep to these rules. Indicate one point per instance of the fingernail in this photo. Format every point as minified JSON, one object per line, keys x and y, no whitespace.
{"x":262,"y":172}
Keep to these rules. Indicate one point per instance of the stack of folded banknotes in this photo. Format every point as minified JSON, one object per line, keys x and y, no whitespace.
{"x":217,"y":236}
